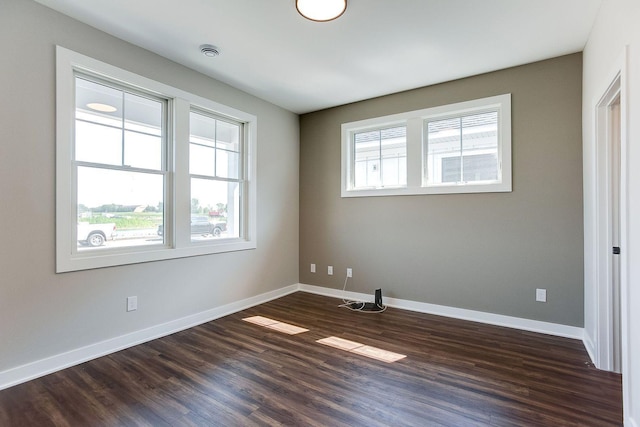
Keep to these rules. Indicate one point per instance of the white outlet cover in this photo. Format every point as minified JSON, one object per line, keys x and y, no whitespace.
{"x":313,"y":268}
{"x":541,"y":295}
{"x":330,"y":270}
{"x":349,"y":272}
{"x":132,"y":303}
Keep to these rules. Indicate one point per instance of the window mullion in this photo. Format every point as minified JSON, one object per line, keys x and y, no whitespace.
{"x":380,"y":174}
{"x":414,"y":153}
{"x":123,"y":128}
{"x":461,"y":152}
{"x":178,"y":221}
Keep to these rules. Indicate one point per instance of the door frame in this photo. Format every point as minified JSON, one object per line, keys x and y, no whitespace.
{"x":604,"y":345}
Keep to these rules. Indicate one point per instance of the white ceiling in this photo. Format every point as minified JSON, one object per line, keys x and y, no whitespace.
{"x":377,"y":47}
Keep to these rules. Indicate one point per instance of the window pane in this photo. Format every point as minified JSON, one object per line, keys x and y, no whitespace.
{"x":443,"y":151}
{"x":228,"y":150}
{"x":202,"y":129}
{"x":380,"y":157}
{"x":143,"y":135}
{"x":102,"y":114}
{"x":202,"y":160}
{"x":227,"y":164}
{"x":228,"y":136}
{"x":142,"y":150}
{"x":463,"y":149}
{"x":480,"y":147}
{"x":143,"y":114}
{"x":104,"y":103}
{"x":450,"y":169}
{"x":367,"y":159}
{"x":131,"y":201}
{"x":480,"y":167}
{"x":394,"y":156}
{"x":202,"y":143}
{"x":394,"y":171}
{"x":225,"y":160}
{"x":215,"y":209}
{"x":98,"y":143}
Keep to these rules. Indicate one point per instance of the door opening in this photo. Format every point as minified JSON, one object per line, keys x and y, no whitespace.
{"x":610,"y":227}
{"x":614,"y":179}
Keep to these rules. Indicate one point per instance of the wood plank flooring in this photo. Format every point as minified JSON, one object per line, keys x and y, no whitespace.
{"x":233,"y":373}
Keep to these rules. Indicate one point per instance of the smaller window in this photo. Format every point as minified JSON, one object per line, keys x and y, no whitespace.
{"x":215,"y":153}
{"x":457,"y":148}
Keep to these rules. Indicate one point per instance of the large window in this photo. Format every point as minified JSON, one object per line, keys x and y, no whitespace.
{"x":119,"y":164}
{"x":457,"y":148}
{"x":146,"y":171}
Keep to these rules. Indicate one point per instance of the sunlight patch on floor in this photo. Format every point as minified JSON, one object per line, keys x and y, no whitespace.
{"x":275,"y":325}
{"x":361,"y":349}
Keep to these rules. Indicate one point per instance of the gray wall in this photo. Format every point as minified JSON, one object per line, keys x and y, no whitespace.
{"x":485,"y":252}
{"x":43,"y":313}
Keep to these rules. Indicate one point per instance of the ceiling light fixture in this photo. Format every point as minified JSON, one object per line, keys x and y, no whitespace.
{"x":103,"y":108}
{"x":209,"y":50}
{"x":321,"y":10}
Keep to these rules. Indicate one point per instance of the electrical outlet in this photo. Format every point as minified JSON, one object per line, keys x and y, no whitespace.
{"x":349,"y":272}
{"x":313,"y":268}
{"x":541,"y":295}
{"x":132,"y":303}
{"x":330,"y":270}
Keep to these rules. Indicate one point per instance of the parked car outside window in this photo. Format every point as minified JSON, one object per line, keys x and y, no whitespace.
{"x":202,"y":225}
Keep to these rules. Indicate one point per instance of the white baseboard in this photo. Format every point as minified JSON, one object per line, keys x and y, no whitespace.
{"x":457,"y":313}
{"x":58,"y":362}
{"x":590,"y":346}
{"x":61,"y":361}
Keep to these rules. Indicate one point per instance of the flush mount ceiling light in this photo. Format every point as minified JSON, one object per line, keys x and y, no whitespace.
{"x":209,"y":50}
{"x":321,"y":10}
{"x":103,"y":108}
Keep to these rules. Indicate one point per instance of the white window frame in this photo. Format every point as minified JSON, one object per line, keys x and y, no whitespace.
{"x":416,"y":149}
{"x":177,"y":243}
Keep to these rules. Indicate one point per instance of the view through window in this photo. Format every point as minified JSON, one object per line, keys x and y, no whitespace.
{"x":455,"y":148}
{"x":462,"y":149}
{"x":215,"y":168}
{"x":146,"y":171}
{"x":381,"y":158}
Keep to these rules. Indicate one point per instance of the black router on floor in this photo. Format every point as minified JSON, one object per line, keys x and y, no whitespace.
{"x":374,"y":306}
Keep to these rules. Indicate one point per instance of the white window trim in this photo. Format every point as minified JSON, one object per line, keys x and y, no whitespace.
{"x":414,"y":120}
{"x":177,"y":219}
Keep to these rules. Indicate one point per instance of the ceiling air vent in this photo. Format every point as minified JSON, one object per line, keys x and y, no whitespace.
{"x":209,"y":50}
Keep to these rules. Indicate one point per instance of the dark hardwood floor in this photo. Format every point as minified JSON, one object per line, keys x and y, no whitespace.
{"x":233,"y":373}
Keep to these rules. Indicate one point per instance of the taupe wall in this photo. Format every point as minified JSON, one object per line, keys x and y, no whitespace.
{"x":44,"y":314}
{"x":485,"y":252}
